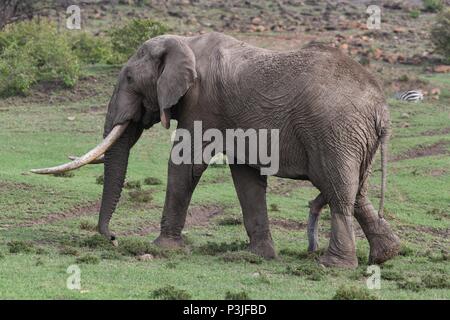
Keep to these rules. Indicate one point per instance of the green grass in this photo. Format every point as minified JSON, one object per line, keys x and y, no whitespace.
{"x":48,"y":223}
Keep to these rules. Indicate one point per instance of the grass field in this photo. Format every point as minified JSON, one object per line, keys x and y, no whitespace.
{"x":47,"y":223}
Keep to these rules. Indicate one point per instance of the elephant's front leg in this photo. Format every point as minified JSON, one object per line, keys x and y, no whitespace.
{"x":251,"y":190}
{"x":182,"y":180}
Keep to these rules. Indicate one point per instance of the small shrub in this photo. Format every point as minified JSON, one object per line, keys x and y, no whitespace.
{"x":138,"y":247}
{"x":274,"y":207}
{"x":391,"y":275}
{"x":89,"y":48}
{"x":170,"y":293}
{"x":100,"y":179}
{"x":242,"y":295}
{"x":69,"y":251}
{"x":171,"y":265}
{"x":440,"y":34}
{"x":41,"y":251}
{"x":432,"y":5}
{"x":134,"y":184}
{"x":357,"y":274}
{"x":141,"y":195}
{"x":362,"y":257}
{"x":2,"y":255}
{"x":150,"y":181}
{"x":96,"y":241}
{"x":438,"y":257}
{"x":18,"y":246}
{"x":88,"y":259}
{"x":111,"y":255}
{"x":406,"y":251}
{"x":126,"y":39}
{"x":310,"y":271}
{"x":435,"y":281}
{"x":39,"y":262}
{"x":213,"y":248}
{"x":353,"y":293}
{"x":414,"y":14}
{"x":403,"y":78}
{"x":88,"y":225}
{"x":241,"y":256}
{"x":229,"y":221}
{"x":67,"y":174}
{"x":411,"y":284}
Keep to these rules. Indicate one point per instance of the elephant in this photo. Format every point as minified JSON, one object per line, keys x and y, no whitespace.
{"x":330,"y":112}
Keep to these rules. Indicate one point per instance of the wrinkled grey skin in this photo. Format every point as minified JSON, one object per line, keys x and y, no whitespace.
{"x":331,"y":114}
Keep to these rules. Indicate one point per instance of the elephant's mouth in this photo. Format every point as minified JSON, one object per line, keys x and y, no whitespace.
{"x":93,"y":156}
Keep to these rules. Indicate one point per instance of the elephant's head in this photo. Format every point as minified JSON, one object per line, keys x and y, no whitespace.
{"x":154,"y":80}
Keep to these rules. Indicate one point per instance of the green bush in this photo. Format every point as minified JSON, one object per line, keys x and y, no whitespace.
{"x":126,"y":39}
{"x":33,"y":51}
{"x":432,"y":5}
{"x":440,"y":34}
{"x":90,"y":49}
{"x":414,"y":14}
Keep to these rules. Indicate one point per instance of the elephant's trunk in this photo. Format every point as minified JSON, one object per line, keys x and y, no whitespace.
{"x":116,"y":162}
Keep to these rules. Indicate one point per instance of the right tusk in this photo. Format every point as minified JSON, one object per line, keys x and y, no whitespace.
{"x":89,"y":157}
{"x":99,"y":160}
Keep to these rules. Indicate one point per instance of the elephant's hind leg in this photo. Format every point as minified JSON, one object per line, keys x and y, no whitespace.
{"x":340,"y":188}
{"x":384,"y":244}
{"x":315,"y":207}
{"x":251,"y":190}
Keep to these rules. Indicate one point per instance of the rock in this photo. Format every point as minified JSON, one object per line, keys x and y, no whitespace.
{"x":442,"y":68}
{"x":399,"y":30}
{"x":435,"y":91}
{"x":377,"y":54}
{"x":145,"y":257}
{"x":256,"y":21}
{"x":405,"y":115}
{"x":344,"y":47}
{"x":71,"y":118}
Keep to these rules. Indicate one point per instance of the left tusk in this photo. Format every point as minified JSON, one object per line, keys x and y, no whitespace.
{"x":99,"y":160}
{"x":92,"y":155}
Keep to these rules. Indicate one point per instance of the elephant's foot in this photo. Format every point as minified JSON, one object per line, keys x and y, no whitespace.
{"x":341,"y":260}
{"x":104,"y":231}
{"x":384,"y":244}
{"x":263,"y":248}
{"x":341,"y":251}
{"x":169,"y":242}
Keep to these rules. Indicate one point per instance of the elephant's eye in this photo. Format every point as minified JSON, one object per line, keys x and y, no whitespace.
{"x":129,"y":79}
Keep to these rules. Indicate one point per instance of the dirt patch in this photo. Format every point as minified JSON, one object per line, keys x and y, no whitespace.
{"x":79,"y":210}
{"x":288,"y":224}
{"x":200,"y":215}
{"x":436,"y":132}
{"x":284,"y":187}
{"x":435,"y":232}
{"x":437,"y":172}
{"x":423,"y":151}
{"x":5,"y":186}
{"x":196,"y":216}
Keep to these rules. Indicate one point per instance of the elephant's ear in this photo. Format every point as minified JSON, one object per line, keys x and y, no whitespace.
{"x":177,"y":76}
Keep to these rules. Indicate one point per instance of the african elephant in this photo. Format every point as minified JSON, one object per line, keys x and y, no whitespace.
{"x":330,"y":112}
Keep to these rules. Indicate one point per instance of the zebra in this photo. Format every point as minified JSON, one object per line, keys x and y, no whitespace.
{"x":410,"y":95}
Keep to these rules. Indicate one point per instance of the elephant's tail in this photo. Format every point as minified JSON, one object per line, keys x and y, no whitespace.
{"x":383,"y":138}
{"x":383,"y":151}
